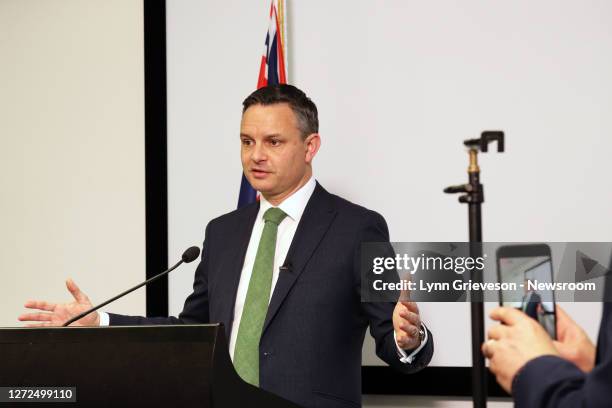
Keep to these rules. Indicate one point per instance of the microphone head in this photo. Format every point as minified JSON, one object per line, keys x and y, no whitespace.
{"x":191,"y":254}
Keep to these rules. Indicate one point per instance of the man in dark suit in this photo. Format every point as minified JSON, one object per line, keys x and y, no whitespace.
{"x":540,"y":372}
{"x":283,"y":274}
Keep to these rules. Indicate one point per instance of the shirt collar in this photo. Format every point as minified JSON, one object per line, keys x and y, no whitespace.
{"x":293,"y":205}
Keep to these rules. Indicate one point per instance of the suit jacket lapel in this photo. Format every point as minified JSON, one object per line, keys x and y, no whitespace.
{"x":236,"y":254}
{"x":316,"y":220}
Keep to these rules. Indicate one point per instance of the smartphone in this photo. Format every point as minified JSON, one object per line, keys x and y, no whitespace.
{"x":525,"y":265}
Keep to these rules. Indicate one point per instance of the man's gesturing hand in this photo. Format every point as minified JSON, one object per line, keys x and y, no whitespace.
{"x":407,"y":323}
{"x":55,"y":314}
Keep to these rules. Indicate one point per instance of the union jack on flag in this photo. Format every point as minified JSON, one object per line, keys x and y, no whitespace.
{"x":272,"y":71}
{"x":272,"y":68}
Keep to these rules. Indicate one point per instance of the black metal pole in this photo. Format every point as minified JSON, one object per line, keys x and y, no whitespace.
{"x":474,"y":197}
{"x":156,"y":166}
{"x":479,"y":370}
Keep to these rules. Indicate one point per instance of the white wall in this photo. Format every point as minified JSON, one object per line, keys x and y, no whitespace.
{"x":71,"y":151}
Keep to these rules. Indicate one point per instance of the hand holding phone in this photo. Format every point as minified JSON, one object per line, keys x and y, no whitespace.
{"x":573,"y":343}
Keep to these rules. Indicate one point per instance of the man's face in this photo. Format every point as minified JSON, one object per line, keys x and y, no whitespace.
{"x":275,"y":158}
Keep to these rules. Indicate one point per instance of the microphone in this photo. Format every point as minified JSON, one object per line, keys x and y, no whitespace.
{"x":190,"y":255}
{"x":286,"y":267}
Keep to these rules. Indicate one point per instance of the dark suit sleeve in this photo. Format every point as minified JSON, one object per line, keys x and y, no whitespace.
{"x":380,"y":314}
{"x":195,"y":309}
{"x":550,"y":381}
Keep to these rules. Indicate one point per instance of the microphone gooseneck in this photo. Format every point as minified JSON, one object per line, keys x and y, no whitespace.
{"x":190,"y":255}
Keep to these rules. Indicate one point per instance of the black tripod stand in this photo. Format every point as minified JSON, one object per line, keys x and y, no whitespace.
{"x":473,"y":196}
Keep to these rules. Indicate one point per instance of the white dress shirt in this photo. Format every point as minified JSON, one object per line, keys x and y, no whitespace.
{"x":293,"y":206}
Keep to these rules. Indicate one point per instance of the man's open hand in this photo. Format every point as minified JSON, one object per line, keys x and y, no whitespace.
{"x":407,"y":323}
{"x":56,"y":314}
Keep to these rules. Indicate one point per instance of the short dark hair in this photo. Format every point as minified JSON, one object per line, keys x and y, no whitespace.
{"x":302,"y":106}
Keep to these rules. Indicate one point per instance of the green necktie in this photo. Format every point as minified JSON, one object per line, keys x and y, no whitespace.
{"x":246,"y":351}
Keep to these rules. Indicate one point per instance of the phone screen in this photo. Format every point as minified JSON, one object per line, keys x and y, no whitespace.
{"x":525,"y":265}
